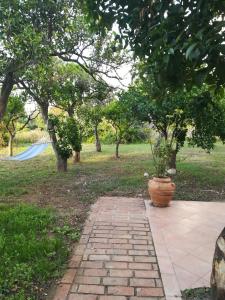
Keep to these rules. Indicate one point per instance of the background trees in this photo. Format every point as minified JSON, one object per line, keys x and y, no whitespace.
{"x":41,"y":85}
{"x":31,"y":32}
{"x":70,"y":86}
{"x":118,"y":113}
{"x":92,"y":116}
{"x":91,"y":113}
{"x":16,"y":119}
{"x":196,"y":115}
{"x":34,"y":32}
{"x":66,"y":138}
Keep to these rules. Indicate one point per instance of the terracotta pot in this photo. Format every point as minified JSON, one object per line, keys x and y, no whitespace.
{"x":161,"y":191}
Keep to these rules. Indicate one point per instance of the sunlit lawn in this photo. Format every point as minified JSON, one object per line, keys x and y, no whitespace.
{"x":201,"y":176}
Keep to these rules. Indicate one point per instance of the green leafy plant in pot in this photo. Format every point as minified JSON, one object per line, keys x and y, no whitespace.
{"x":160,"y":187}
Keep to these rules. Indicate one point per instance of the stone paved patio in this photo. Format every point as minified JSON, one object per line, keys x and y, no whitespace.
{"x":115,"y":258}
{"x":184,"y":236}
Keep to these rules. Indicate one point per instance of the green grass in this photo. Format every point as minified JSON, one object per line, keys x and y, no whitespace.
{"x":197,"y":294}
{"x":34,"y":239}
{"x":33,"y":251}
{"x":201,"y":176}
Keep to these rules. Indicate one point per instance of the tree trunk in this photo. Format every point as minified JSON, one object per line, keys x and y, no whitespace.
{"x":97,"y":140}
{"x":117,"y":149}
{"x":44,"y":112}
{"x":218,"y":269}
{"x":6,"y":90}
{"x":61,"y":164}
{"x":173,"y":159}
{"x":11,"y":139}
{"x":76,"y":157}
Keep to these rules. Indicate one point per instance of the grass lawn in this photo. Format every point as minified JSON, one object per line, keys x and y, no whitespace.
{"x":201,"y":176}
{"x":24,"y":229}
{"x":33,"y":251}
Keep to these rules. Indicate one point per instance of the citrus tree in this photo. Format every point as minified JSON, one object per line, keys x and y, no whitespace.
{"x":196,"y":115}
{"x":31,"y":32}
{"x":66,"y":138}
{"x":119,"y":114}
{"x":16,"y":119}
{"x":34,"y":32}
{"x":70,"y":87}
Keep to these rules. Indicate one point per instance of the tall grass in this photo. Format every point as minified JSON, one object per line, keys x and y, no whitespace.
{"x":29,"y":137}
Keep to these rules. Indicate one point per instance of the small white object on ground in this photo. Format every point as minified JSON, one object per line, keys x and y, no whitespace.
{"x":146,"y":174}
{"x":171,"y":171}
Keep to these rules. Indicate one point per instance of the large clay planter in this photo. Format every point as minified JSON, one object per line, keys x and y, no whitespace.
{"x":161,"y":191}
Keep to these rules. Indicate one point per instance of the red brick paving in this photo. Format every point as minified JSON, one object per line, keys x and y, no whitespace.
{"x":115,"y":258}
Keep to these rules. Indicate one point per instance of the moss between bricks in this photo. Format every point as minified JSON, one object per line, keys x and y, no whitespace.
{"x":197,"y":294}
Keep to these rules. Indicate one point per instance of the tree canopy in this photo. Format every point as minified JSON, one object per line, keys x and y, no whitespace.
{"x":32,"y":32}
{"x":119,"y":114}
{"x":183,"y":40}
{"x":174,"y":113}
{"x":16,"y":118}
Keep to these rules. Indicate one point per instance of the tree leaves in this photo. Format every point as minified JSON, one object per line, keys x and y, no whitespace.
{"x":190,"y":50}
{"x":155,"y":30}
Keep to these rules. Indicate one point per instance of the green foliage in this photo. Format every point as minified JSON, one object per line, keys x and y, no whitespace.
{"x":73,"y":135}
{"x":182,"y":40}
{"x":137,"y":134}
{"x":107,"y":133}
{"x":161,"y":152}
{"x":208,"y":116}
{"x":202,"y":293}
{"x":70,"y":83}
{"x":15,"y":115}
{"x":119,"y":114}
{"x":67,"y":133}
{"x":62,"y":144}
{"x":31,"y":33}
{"x":92,"y":115}
{"x":37,"y":123}
{"x":33,"y":250}
{"x":89,"y":117}
{"x":15,"y":119}
{"x":68,"y":231}
{"x":15,"y":106}
{"x":27,"y":40}
{"x":175,"y":112}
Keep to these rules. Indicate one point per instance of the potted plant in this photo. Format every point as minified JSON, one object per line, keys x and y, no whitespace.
{"x":160,"y":187}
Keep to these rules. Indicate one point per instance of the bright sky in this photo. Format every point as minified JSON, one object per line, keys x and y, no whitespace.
{"x":125,"y":74}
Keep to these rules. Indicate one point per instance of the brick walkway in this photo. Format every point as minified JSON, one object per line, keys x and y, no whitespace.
{"x":115,"y":258}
